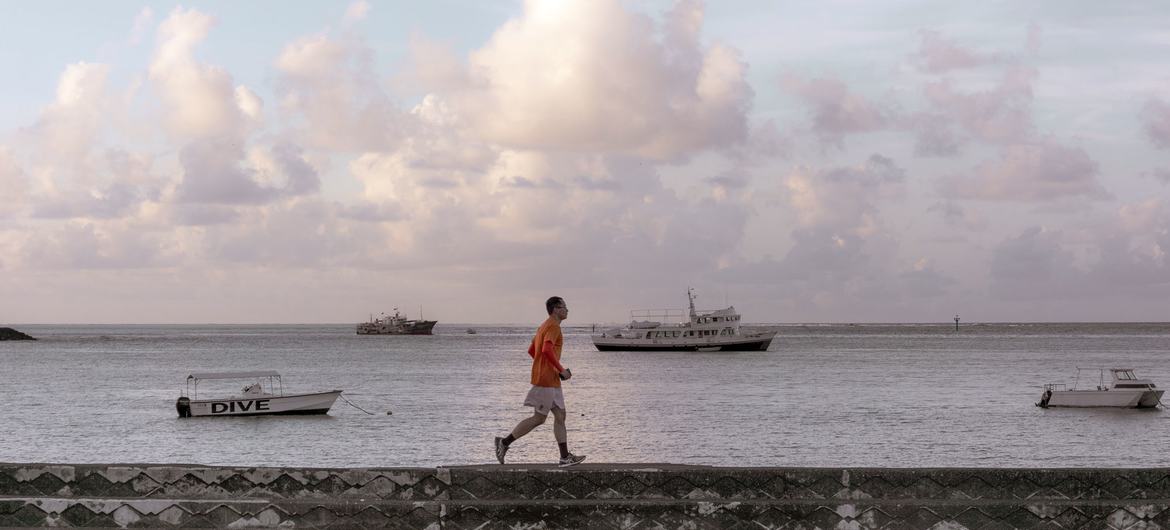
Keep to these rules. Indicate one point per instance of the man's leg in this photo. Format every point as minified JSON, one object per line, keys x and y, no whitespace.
{"x":526,"y":426}
{"x":522,"y":428}
{"x":559,"y":430}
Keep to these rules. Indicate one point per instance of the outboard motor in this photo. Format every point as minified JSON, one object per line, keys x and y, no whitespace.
{"x":1047,"y":395}
{"x":183,"y":405}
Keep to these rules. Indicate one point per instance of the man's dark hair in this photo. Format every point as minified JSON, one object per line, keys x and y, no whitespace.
{"x":552,"y":303}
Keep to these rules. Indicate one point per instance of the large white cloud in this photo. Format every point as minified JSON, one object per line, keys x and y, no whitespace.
{"x":594,"y":76}
{"x":334,"y":86}
{"x":199,"y":98}
{"x":69,"y":127}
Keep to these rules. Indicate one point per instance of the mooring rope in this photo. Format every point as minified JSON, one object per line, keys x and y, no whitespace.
{"x":355,"y":406}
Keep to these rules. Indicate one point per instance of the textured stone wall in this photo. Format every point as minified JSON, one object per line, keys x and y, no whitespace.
{"x":586,"y":496}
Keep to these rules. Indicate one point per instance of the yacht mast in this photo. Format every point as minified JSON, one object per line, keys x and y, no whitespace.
{"x":691,"y":297}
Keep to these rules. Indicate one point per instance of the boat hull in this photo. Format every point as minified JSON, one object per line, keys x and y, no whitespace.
{"x":265,"y":405}
{"x":752,"y":343}
{"x":1125,"y":399}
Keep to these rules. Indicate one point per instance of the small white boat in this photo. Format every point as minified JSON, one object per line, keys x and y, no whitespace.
{"x":255,"y":399}
{"x":1125,"y":390}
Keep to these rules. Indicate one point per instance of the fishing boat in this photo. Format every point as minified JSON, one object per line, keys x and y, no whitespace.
{"x":1124,"y":390}
{"x":396,"y":324}
{"x":263,"y":397}
{"x":703,"y":330}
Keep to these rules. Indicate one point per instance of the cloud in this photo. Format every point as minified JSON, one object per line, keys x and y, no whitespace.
{"x":837,"y":112}
{"x":729,"y":180}
{"x":356,"y":12}
{"x":86,"y":246}
{"x":192,"y":214}
{"x":526,"y":214}
{"x":117,"y":200}
{"x":69,"y":127}
{"x":1157,"y":122}
{"x":1001,"y":114}
{"x":250,"y":105}
{"x":1032,"y":172}
{"x":212,"y":173}
{"x":199,"y":99}
{"x":1123,"y":259}
{"x":954,"y":214}
{"x":1149,"y":216}
{"x":69,"y":172}
{"x":142,"y":22}
{"x":590,"y":76}
{"x":937,"y":54}
{"x":370,"y":212}
{"x":1034,"y":265}
{"x":298,"y":234}
{"x":121,"y":182}
{"x":924,"y":281}
{"x":12,"y":181}
{"x":216,"y":171}
{"x":333,"y":85}
{"x":840,"y":248}
{"x":935,"y":136}
{"x":844,"y":198}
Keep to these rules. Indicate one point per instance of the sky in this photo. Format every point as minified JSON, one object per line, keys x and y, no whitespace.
{"x":804,"y":161}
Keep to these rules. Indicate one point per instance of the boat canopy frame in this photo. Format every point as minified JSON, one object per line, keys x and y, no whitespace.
{"x":272,"y":375}
{"x":1114,"y":375}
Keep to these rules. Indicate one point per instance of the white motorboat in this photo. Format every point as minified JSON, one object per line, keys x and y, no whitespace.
{"x":1124,"y":390}
{"x":265,"y":396}
{"x":703,"y":330}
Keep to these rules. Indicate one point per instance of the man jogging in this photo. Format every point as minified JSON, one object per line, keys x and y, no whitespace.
{"x":546,"y":395}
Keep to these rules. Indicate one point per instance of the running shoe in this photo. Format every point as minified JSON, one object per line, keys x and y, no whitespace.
{"x":571,"y":460}
{"x":501,"y":449}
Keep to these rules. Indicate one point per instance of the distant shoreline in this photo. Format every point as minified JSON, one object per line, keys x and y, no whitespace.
{"x":464,"y":325}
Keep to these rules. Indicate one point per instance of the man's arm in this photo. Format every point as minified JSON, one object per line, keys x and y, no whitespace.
{"x":547,"y":352}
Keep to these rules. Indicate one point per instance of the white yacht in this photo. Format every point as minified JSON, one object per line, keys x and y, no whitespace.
{"x":703,"y":330}
{"x":1125,"y":390}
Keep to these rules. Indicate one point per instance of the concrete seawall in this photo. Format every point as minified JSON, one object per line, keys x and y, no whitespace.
{"x":586,"y":496}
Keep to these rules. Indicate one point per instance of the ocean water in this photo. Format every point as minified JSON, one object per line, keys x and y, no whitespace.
{"x":823,"y":395}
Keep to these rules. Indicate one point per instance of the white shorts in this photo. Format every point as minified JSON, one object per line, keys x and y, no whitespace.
{"x":544,"y":399}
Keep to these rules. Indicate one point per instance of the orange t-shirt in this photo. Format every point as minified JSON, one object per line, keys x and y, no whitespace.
{"x":544,"y":373}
